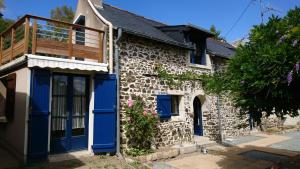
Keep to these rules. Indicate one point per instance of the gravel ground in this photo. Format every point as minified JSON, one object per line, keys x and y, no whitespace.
{"x":292,"y":144}
{"x":94,"y":162}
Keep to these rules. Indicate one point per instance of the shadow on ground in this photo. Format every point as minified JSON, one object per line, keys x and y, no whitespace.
{"x":252,"y":157}
{"x":106,"y":162}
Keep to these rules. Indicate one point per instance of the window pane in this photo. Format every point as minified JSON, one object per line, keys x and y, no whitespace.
{"x":59,"y":106}
{"x":79,"y":106}
{"x":175,"y":105}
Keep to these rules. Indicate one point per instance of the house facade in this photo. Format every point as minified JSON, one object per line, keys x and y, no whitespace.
{"x":64,"y":87}
{"x":140,"y":44}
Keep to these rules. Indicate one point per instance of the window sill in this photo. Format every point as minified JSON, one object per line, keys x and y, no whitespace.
{"x":3,"y":120}
{"x":200,"y":66}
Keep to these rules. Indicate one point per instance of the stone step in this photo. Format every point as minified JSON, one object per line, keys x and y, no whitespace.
{"x":203,"y":142}
{"x":186,"y":148}
{"x":69,"y":156}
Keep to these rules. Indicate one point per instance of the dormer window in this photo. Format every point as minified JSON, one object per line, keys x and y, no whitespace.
{"x":198,"y":55}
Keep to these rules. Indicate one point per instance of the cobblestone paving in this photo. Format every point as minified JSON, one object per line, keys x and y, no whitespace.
{"x":293,"y":144}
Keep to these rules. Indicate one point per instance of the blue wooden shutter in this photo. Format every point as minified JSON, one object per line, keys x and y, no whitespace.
{"x":39,"y":115}
{"x":105,"y":113}
{"x":164,"y":106}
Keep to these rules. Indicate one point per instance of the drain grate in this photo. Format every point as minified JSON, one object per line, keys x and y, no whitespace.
{"x":260,"y":155}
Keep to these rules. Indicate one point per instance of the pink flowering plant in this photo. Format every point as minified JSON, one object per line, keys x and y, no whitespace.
{"x":140,"y":127}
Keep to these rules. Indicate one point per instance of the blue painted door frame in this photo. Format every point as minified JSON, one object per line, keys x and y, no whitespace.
{"x":69,"y":142}
{"x":198,"y":126}
{"x":105,"y":125}
{"x":39,"y":115}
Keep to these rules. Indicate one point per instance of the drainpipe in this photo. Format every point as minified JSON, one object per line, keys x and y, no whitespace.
{"x":219,"y":118}
{"x":117,"y":72}
{"x":219,"y":110}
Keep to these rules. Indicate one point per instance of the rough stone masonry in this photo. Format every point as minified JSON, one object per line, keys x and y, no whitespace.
{"x":138,"y":58}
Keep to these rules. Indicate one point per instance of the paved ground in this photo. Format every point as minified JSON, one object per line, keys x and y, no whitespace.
{"x":241,"y":140}
{"x":251,"y":152}
{"x":293,"y":144}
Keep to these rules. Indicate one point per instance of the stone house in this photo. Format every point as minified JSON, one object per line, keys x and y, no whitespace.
{"x":64,"y":87}
{"x":139,"y":44}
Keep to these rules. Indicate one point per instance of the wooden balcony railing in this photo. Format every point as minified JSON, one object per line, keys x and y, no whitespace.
{"x":47,"y":37}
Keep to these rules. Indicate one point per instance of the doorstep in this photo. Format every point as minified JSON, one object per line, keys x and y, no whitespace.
{"x":69,"y":156}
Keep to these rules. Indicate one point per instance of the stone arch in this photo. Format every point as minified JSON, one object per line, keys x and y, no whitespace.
{"x":199,"y":94}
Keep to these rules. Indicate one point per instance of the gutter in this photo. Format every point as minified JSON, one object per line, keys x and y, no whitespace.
{"x":117,"y":72}
{"x":110,"y":35}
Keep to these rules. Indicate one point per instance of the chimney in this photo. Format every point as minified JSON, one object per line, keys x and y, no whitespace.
{"x":97,"y":3}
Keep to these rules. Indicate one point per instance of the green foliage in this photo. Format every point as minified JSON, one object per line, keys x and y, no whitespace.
{"x":140,"y":127}
{"x":176,"y":79}
{"x":5,"y":23}
{"x":216,"y":32}
{"x":138,"y":152}
{"x":63,"y":13}
{"x":256,"y":77}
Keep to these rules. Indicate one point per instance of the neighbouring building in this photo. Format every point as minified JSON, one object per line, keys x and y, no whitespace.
{"x":64,"y":86}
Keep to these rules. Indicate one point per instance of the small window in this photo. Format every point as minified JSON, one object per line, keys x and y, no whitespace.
{"x":7,"y":97}
{"x":198,"y":56}
{"x":175,"y":105}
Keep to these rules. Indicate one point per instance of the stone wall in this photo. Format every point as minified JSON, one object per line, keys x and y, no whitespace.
{"x":138,"y":57}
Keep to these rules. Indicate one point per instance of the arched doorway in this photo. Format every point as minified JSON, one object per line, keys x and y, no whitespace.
{"x":198,"y":127}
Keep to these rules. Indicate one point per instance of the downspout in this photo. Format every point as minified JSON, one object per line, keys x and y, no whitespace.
{"x":110,"y":35}
{"x":111,"y":43}
{"x":117,"y":72}
{"x":219,"y":118}
{"x":219,"y":110}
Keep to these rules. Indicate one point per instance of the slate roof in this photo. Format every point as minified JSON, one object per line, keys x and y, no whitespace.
{"x":141,"y":26}
{"x":135,"y":24}
{"x":221,"y":49}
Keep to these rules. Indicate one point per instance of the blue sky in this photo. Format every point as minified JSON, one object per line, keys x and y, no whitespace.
{"x":222,"y":13}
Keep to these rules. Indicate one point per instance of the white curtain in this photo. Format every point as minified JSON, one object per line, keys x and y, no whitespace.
{"x":59,"y":103}
{"x":79,"y":102}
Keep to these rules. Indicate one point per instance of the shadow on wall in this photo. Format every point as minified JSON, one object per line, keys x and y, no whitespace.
{"x":12,"y":138}
{"x":2,"y":101}
{"x":12,"y":131}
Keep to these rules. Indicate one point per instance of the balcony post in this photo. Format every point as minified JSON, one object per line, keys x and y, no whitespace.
{"x":101,"y":40}
{"x":12,"y":44}
{"x":70,"y":46}
{"x":26,"y":36}
{"x":34,"y":37}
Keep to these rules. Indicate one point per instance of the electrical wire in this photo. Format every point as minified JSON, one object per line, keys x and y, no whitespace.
{"x":239,"y":18}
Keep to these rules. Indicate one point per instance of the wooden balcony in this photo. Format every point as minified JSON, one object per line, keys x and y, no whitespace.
{"x":41,"y":36}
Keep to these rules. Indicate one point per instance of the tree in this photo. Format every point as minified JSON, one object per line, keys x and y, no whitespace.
{"x":63,"y":13}
{"x":58,"y":31}
{"x":264,"y":74}
{"x":5,"y":23}
{"x":217,"y":33}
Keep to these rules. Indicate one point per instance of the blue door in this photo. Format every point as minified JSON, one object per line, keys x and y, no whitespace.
{"x":105,"y":125}
{"x":39,"y":115}
{"x":198,"y":127}
{"x":69,"y":113}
